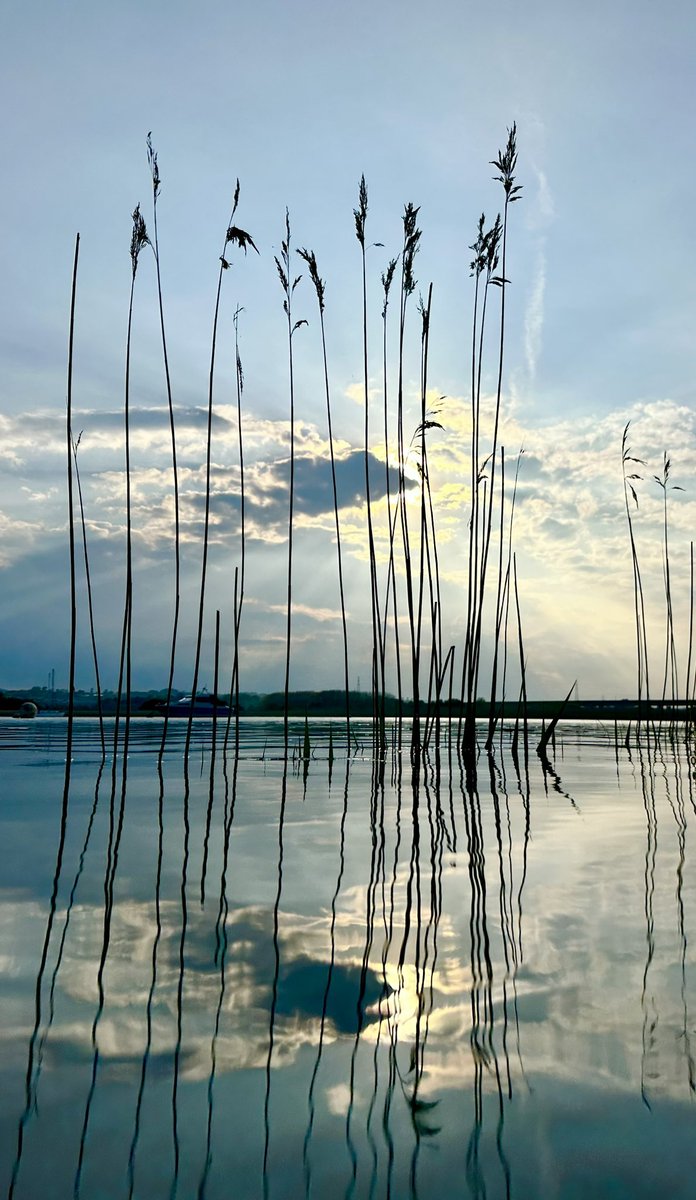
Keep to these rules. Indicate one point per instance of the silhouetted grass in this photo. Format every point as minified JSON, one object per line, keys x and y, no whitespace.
{"x":410,"y":590}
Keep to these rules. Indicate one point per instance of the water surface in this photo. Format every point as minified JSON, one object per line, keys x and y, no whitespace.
{"x":260,"y":978}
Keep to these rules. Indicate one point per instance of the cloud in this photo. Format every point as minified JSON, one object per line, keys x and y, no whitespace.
{"x":570,"y":523}
{"x":534,"y":317}
{"x":302,"y":610}
{"x":356,"y":393}
{"x":543,"y":209}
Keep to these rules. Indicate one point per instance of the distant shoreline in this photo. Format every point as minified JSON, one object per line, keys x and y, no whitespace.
{"x":331,"y":703}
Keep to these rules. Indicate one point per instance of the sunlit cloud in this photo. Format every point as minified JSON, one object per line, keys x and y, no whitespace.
{"x":570,"y":524}
{"x":301,"y":610}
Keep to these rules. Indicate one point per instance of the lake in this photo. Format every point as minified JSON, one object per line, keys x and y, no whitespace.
{"x":260,"y":979}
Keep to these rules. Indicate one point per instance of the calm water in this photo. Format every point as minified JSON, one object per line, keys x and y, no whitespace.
{"x":270,"y":982}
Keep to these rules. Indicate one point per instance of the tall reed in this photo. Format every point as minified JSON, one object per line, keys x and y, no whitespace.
{"x":156,"y":183}
{"x":88,"y":582}
{"x":687,"y":689}
{"x":630,"y":477}
{"x":139,"y":239}
{"x":319,"y":287}
{"x":239,"y":575}
{"x":671,"y":670}
{"x":484,"y":263}
{"x":71,"y":520}
{"x":360,"y":216}
{"x":288,"y":285}
{"x":387,"y":280}
{"x":424,"y":309}
{"x":32,"y":1072}
{"x":234,"y":236}
{"x":502,"y":597}
{"x":411,"y":241}
{"x":486,"y":258}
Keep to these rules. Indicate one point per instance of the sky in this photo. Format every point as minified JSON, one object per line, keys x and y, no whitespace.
{"x":297,"y":101}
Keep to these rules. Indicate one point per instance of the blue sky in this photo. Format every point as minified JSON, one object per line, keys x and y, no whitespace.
{"x":297,"y":100}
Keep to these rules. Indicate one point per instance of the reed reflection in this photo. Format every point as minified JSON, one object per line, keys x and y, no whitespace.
{"x":116,"y":824}
{"x":662,"y":767}
{"x":33,"y":1071}
{"x":311,"y":1101}
{"x":221,"y":949}
{"x":132,"y":1153}
{"x":276,"y":975}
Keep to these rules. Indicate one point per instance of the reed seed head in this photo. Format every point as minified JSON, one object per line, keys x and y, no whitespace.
{"x":493,"y":245}
{"x":486,"y":248}
{"x":239,"y":237}
{"x":506,"y":163}
{"x":281,"y":274}
{"x":478,"y":246}
{"x":387,"y":278}
{"x":139,"y":238}
{"x":319,"y":286}
{"x":424,"y":310}
{"x":360,"y":213}
{"x":283,"y":266}
{"x":412,"y":235}
{"x":663,"y":479}
{"x":154,"y":169}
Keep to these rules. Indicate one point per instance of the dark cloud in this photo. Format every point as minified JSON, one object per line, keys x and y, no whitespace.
{"x":314,"y":488}
{"x":267,"y":488}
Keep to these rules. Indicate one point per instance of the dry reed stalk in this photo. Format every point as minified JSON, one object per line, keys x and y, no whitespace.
{"x":670,"y":645}
{"x":503,"y":596}
{"x":288,"y":286}
{"x":90,"y":604}
{"x":139,"y":240}
{"x":378,"y":684}
{"x":412,"y":235}
{"x":156,"y":184}
{"x":239,"y":574}
{"x":234,"y":237}
{"x":319,"y":287}
{"x":387,"y":280}
{"x":629,"y":478}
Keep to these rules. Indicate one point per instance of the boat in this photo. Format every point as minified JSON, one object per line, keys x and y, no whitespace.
{"x":204,"y":705}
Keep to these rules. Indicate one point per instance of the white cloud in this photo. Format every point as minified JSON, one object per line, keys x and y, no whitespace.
{"x":534,"y":317}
